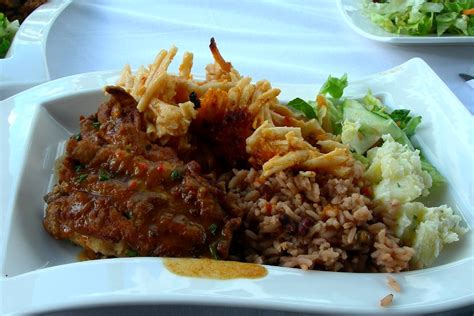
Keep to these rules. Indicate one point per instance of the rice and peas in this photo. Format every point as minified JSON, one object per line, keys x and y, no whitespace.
{"x":304,"y":200}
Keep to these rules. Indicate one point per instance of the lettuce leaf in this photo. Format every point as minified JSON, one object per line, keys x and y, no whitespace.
{"x":7,"y":32}
{"x":436,"y":177}
{"x":334,"y":86}
{"x":411,"y":125}
{"x":329,"y":115}
{"x":406,"y":122}
{"x":400,"y":117}
{"x":304,"y":107}
{"x":422,"y":17}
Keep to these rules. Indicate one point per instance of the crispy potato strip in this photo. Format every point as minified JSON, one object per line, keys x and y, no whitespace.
{"x":218,"y":57}
{"x":279,"y":148}
{"x":280,"y":139}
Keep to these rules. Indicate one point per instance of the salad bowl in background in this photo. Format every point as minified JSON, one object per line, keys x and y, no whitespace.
{"x":352,"y":12}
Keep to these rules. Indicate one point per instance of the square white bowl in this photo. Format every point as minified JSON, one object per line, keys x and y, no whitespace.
{"x":40,"y":274}
{"x":353,"y":15}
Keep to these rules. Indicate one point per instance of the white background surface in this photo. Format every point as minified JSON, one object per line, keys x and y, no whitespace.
{"x":285,"y":42}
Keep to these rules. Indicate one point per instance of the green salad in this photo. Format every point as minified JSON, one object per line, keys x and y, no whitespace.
{"x":380,"y":138}
{"x":422,"y":17}
{"x":7,"y":32}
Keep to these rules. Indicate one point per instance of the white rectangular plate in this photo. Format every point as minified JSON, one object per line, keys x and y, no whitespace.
{"x":351,"y":10}
{"x":41,"y":274}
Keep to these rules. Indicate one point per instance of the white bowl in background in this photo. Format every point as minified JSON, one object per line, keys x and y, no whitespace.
{"x":353,"y":15}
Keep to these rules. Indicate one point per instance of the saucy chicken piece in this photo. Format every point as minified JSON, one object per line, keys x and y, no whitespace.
{"x":118,"y":194}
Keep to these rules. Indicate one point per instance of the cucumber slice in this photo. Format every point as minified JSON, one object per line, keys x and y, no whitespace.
{"x":359,"y":138}
{"x":371,"y":127}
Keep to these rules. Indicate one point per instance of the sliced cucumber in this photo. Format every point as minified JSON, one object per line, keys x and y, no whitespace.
{"x":359,"y":138}
{"x":371,"y":127}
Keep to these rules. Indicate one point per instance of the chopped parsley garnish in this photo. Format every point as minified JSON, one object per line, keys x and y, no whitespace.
{"x":104,"y":175}
{"x":96,"y":124}
{"x":176,"y":175}
{"x":213,"y":229}
{"x":129,"y":215}
{"x":81,"y":177}
{"x":213,"y":250}
{"x":131,"y":253}
{"x":78,"y":167}
{"x":77,"y":137}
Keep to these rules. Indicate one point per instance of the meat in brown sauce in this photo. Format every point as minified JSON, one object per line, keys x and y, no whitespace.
{"x":118,"y":194}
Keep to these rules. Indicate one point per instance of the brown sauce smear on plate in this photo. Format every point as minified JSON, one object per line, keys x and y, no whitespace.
{"x":214,"y":269}
{"x":82,"y":256}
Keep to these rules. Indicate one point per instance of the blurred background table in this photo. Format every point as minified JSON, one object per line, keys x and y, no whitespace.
{"x":285,"y":42}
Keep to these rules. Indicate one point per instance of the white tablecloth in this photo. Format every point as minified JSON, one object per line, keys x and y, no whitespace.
{"x":297,"y":42}
{"x":285,"y":42}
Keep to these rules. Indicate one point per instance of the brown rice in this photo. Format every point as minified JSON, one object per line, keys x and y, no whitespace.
{"x":312,"y":221}
{"x":386,"y":301}
{"x":393,"y":284}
